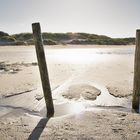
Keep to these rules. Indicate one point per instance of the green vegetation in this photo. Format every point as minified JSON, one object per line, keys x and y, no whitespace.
{"x":49,"y":42}
{"x":7,"y":39}
{"x":23,"y":36}
{"x":3,"y":34}
{"x":63,"y":38}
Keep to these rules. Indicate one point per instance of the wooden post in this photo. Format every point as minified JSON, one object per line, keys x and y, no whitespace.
{"x":136,"y":89}
{"x":43,"y":68}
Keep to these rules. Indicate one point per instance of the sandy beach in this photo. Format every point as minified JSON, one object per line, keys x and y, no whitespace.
{"x":91,"y":87}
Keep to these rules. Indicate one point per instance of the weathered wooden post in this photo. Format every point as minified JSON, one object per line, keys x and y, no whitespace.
{"x":136,"y":88}
{"x":43,"y":68}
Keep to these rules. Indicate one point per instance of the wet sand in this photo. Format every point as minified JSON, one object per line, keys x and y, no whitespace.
{"x":91,"y":87}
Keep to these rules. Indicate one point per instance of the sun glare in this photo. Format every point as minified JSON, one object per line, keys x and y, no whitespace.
{"x":76,"y":107}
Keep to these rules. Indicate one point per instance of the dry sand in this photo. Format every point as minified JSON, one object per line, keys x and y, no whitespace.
{"x":91,"y":88}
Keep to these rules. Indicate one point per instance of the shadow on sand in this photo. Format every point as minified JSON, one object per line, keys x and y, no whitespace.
{"x":38,"y":129}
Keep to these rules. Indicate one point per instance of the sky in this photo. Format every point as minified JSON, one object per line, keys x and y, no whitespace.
{"x":114,"y":18}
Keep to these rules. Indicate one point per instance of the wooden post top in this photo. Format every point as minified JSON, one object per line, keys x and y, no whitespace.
{"x":138,"y":30}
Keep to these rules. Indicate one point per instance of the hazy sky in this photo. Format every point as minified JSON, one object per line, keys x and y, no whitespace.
{"x":115,"y":18}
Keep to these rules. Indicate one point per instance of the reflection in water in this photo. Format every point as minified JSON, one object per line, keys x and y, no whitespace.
{"x":65,"y":107}
{"x":89,"y":56}
{"x":72,"y":107}
{"x":86,"y":56}
{"x":76,"y":107}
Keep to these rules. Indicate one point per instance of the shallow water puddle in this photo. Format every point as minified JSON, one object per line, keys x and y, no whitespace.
{"x":65,"y":109}
{"x":65,"y":106}
{"x":106,"y":99}
{"x":102,"y":102}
